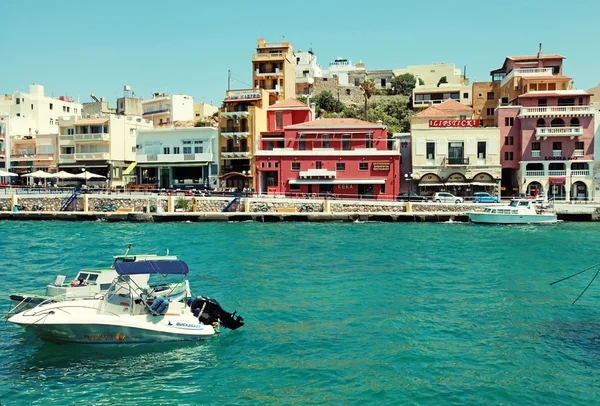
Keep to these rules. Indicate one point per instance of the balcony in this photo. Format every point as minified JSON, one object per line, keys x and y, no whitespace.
{"x":556,"y":111}
{"x":561,"y":172}
{"x":579,"y":152}
{"x":271,"y":72}
{"x":455,"y":161}
{"x":535,"y":153}
{"x":233,"y":132}
{"x":526,"y":72}
{"x":535,"y":173}
{"x":546,"y":132}
{"x":91,"y":137}
{"x":66,"y":158}
{"x":228,"y":114}
{"x":557,"y":152}
{"x":580,"y":172}
{"x":174,"y":158}
{"x":159,"y":110}
{"x":32,"y":157}
{"x":275,"y":89}
{"x":270,"y":55}
{"x":92,"y":156}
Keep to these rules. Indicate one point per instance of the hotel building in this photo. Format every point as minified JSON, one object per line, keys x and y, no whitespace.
{"x":273,"y":69}
{"x":165,"y":109}
{"x":345,"y":157}
{"x":452,"y":152}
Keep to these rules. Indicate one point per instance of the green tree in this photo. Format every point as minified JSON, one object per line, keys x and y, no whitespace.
{"x":301,"y":98}
{"x":368,"y":88}
{"x":404,"y":84}
{"x":421,"y":82}
{"x":395,"y":112}
{"x":326,"y":101}
{"x":443,"y":79}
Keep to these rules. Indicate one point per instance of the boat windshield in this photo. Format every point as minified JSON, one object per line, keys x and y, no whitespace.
{"x":119,"y":293}
{"x":514,"y":203}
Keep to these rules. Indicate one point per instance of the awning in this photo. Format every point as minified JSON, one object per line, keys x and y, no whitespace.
{"x":423,"y":184}
{"x":457,"y":184}
{"x":82,"y":166}
{"x":484,"y":183}
{"x":557,"y":181}
{"x":152,"y":267}
{"x":129,"y":168}
{"x":337,"y":181}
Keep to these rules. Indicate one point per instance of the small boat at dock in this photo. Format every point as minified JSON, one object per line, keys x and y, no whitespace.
{"x":519,"y":211}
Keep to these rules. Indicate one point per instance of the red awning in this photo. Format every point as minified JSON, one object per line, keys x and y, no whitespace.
{"x":557,"y":181}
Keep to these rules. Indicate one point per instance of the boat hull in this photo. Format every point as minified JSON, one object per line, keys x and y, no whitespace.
{"x":91,"y":323}
{"x":492,"y":218}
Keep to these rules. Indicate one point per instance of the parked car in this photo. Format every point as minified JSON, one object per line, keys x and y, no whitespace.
{"x":483,"y":197}
{"x":410,"y":197}
{"x":445,"y":197}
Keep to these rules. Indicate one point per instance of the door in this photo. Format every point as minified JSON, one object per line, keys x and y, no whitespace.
{"x":164,"y":178}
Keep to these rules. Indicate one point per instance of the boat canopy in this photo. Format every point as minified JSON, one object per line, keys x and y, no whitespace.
{"x":152,"y":267}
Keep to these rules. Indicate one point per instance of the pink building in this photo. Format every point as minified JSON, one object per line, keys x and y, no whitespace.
{"x":343,"y":157}
{"x":549,"y":143}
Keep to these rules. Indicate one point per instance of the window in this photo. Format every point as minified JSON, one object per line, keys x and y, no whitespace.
{"x":465,"y":95}
{"x":51,"y":121}
{"x":511,"y":140}
{"x":557,"y":146}
{"x":383,"y":83}
{"x":481,"y":149}
{"x":340,"y":166}
{"x":540,"y":122}
{"x":509,"y":121}
{"x":68,"y":109}
{"x":176,"y":150}
{"x":294,"y":186}
{"x":187,"y":150}
{"x":279,"y":119}
{"x":326,"y":141}
{"x":489,"y":111}
{"x":356,"y":82}
{"x":270,"y":145}
{"x":578,"y":144}
{"x":295,"y":166}
{"x":198,"y":150}
{"x":555,"y":69}
{"x":346,"y":143}
{"x":363,"y":166}
{"x":536,"y":146}
{"x":456,"y":151}
{"x":382,"y":189}
{"x":542,"y":102}
{"x":301,"y":145}
{"x":18,"y":101}
{"x":166,"y":150}
{"x":132,"y":132}
{"x":51,"y":106}
{"x":463,"y":117}
{"x":75,"y":110}
{"x":347,"y":92}
{"x":509,"y":156}
{"x":431,"y":150}
{"x":490,"y":95}
{"x":64,"y":109}
{"x":319,"y":164}
{"x":276,"y":164}
{"x":575,"y":122}
{"x":369,"y":141}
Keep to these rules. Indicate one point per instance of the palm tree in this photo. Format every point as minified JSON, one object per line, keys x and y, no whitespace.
{"x":368,"y":88}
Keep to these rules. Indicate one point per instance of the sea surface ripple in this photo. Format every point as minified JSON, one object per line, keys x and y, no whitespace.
{"x":369,"y":313}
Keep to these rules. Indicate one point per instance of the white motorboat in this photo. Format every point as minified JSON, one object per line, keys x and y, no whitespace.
{"x":91,"y":282}
{"x":129,"y":313}
{"x":519,"y":211}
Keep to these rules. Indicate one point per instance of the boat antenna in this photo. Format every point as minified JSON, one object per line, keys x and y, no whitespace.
{"x":586,"y":288}
{"x":128,"y":248}
{"x":575,"y":274}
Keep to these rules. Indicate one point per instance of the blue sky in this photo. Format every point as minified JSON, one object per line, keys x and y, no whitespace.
{"x":82,"y":47}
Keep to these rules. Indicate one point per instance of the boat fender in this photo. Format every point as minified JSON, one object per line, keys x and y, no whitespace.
{"x":159,"y":305}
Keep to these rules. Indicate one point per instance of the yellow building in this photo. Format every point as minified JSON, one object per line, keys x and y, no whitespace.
{"x":241,"y":120}
{"x":273,"y":69}
{"x":485,"y":101}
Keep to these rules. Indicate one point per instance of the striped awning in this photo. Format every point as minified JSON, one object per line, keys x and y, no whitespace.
{"x":129,"y":168}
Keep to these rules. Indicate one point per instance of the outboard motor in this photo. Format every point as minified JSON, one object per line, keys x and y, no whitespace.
{"x":208,"y":311}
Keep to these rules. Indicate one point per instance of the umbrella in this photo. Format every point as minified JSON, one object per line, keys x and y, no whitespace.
{"x":6,"y":173}
{"x":38,"y":174}
{"x":88,"y":175}
{"x":64,"y":175}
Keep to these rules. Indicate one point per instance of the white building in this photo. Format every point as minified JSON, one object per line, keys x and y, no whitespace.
{"x":431,"y":90}
{"x":178,"y":157}
{"x":28,"y":114}
{"x":164,"y":109}
{"x":307,"y":68}
{"x":105,"y":145}
{"x":340,"y":68}
{"x":204,"y":111}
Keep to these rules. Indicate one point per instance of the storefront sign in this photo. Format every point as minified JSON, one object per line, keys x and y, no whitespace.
{"x":557,"y":181}
{"x":381,"y":166}
{"x":560,"y":158}
{"x":454,"y":123}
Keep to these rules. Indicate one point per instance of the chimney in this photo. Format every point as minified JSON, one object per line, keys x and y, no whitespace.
{"x":540,"y":51}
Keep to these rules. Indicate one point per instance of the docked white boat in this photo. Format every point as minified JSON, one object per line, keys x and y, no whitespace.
{"x":519,"y":211}
{"x":129,"y":313}
{"x":91,"y":282}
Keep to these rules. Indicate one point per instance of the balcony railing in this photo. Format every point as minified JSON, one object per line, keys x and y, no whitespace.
{"x":268,"y":72}
{"x":91,"y":156}
{"x":579,"y":152}
{"x":234,"y":113}
{"x":48,"y":157}
{"x":276,"y":88}
{"x":576,"y":131}
{"x":580,"y":172}
{"x":561,"y":172}
{"x":91,"y":137}
{"x":270,"y":55}
{"x":456,"y":161}
{"x":556,"y":111}
{"x":535,"y":173}
{"x":526,"y":72}
{"x":535,"y":153}
{"x":557,"y":152}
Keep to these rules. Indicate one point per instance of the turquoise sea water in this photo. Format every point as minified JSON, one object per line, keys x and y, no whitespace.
{"x":370,"y":313}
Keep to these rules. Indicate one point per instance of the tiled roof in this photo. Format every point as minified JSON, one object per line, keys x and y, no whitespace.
{"x":336,"y":122}
{"x":453,"y":105}
{"x":433,"y":112}
{"x":288,"y":103}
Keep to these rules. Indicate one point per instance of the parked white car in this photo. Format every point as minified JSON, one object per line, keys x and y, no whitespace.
{"x":445,"y":197}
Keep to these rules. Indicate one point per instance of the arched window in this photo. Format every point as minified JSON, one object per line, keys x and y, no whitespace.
{"x":575,"y":122}
{"x":541,"y":122}
{"x":557,"y":122}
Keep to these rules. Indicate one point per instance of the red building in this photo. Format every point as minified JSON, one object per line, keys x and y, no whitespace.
{"x":340,"y":156}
